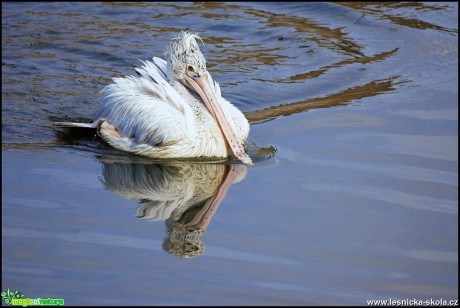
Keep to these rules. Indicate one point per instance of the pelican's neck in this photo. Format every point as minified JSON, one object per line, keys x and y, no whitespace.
{"x":191,"y":97}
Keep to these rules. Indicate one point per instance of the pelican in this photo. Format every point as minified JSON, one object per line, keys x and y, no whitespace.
{"x":171,"y":109}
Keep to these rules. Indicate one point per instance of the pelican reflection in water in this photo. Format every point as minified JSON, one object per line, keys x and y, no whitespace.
{"x":172,"y":109}
{"x":186,"y":196}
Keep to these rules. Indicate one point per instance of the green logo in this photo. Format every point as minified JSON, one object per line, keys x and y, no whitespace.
{"x":8,"y":296}
{"x":16,"y":298}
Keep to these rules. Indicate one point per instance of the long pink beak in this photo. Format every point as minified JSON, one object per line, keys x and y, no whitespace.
{"x":204,"y":89}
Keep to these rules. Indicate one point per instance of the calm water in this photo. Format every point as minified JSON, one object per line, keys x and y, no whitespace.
{"x":359,"y":202}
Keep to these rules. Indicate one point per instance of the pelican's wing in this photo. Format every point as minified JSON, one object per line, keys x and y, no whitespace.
{"x":146,"y":109}
{"x":161,"y":66}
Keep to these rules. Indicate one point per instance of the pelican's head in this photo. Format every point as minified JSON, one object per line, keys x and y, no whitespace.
{"x":185,"y":57}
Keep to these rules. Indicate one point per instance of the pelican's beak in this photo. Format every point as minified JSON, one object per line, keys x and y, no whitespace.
{"x":203,"y":87}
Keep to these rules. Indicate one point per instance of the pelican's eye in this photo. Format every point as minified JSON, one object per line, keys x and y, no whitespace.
{"x":192,"y":71}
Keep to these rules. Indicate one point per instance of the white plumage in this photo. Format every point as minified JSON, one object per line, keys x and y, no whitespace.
{"x":159,"y":113}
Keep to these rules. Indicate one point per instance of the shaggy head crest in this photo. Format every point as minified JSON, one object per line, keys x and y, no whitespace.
{"x":182,"y":51}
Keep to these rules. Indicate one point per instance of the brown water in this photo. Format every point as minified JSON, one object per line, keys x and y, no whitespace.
{"x":359,"y":202}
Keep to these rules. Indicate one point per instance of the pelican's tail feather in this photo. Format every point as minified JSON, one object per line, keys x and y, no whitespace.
{"x":70,"y":124}
{"x":94,"y":124}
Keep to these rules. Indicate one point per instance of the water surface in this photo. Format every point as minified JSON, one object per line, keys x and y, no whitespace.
{"x":359,"y":202}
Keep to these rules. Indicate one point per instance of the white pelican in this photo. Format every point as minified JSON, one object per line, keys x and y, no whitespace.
{"x":172,"y":109}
